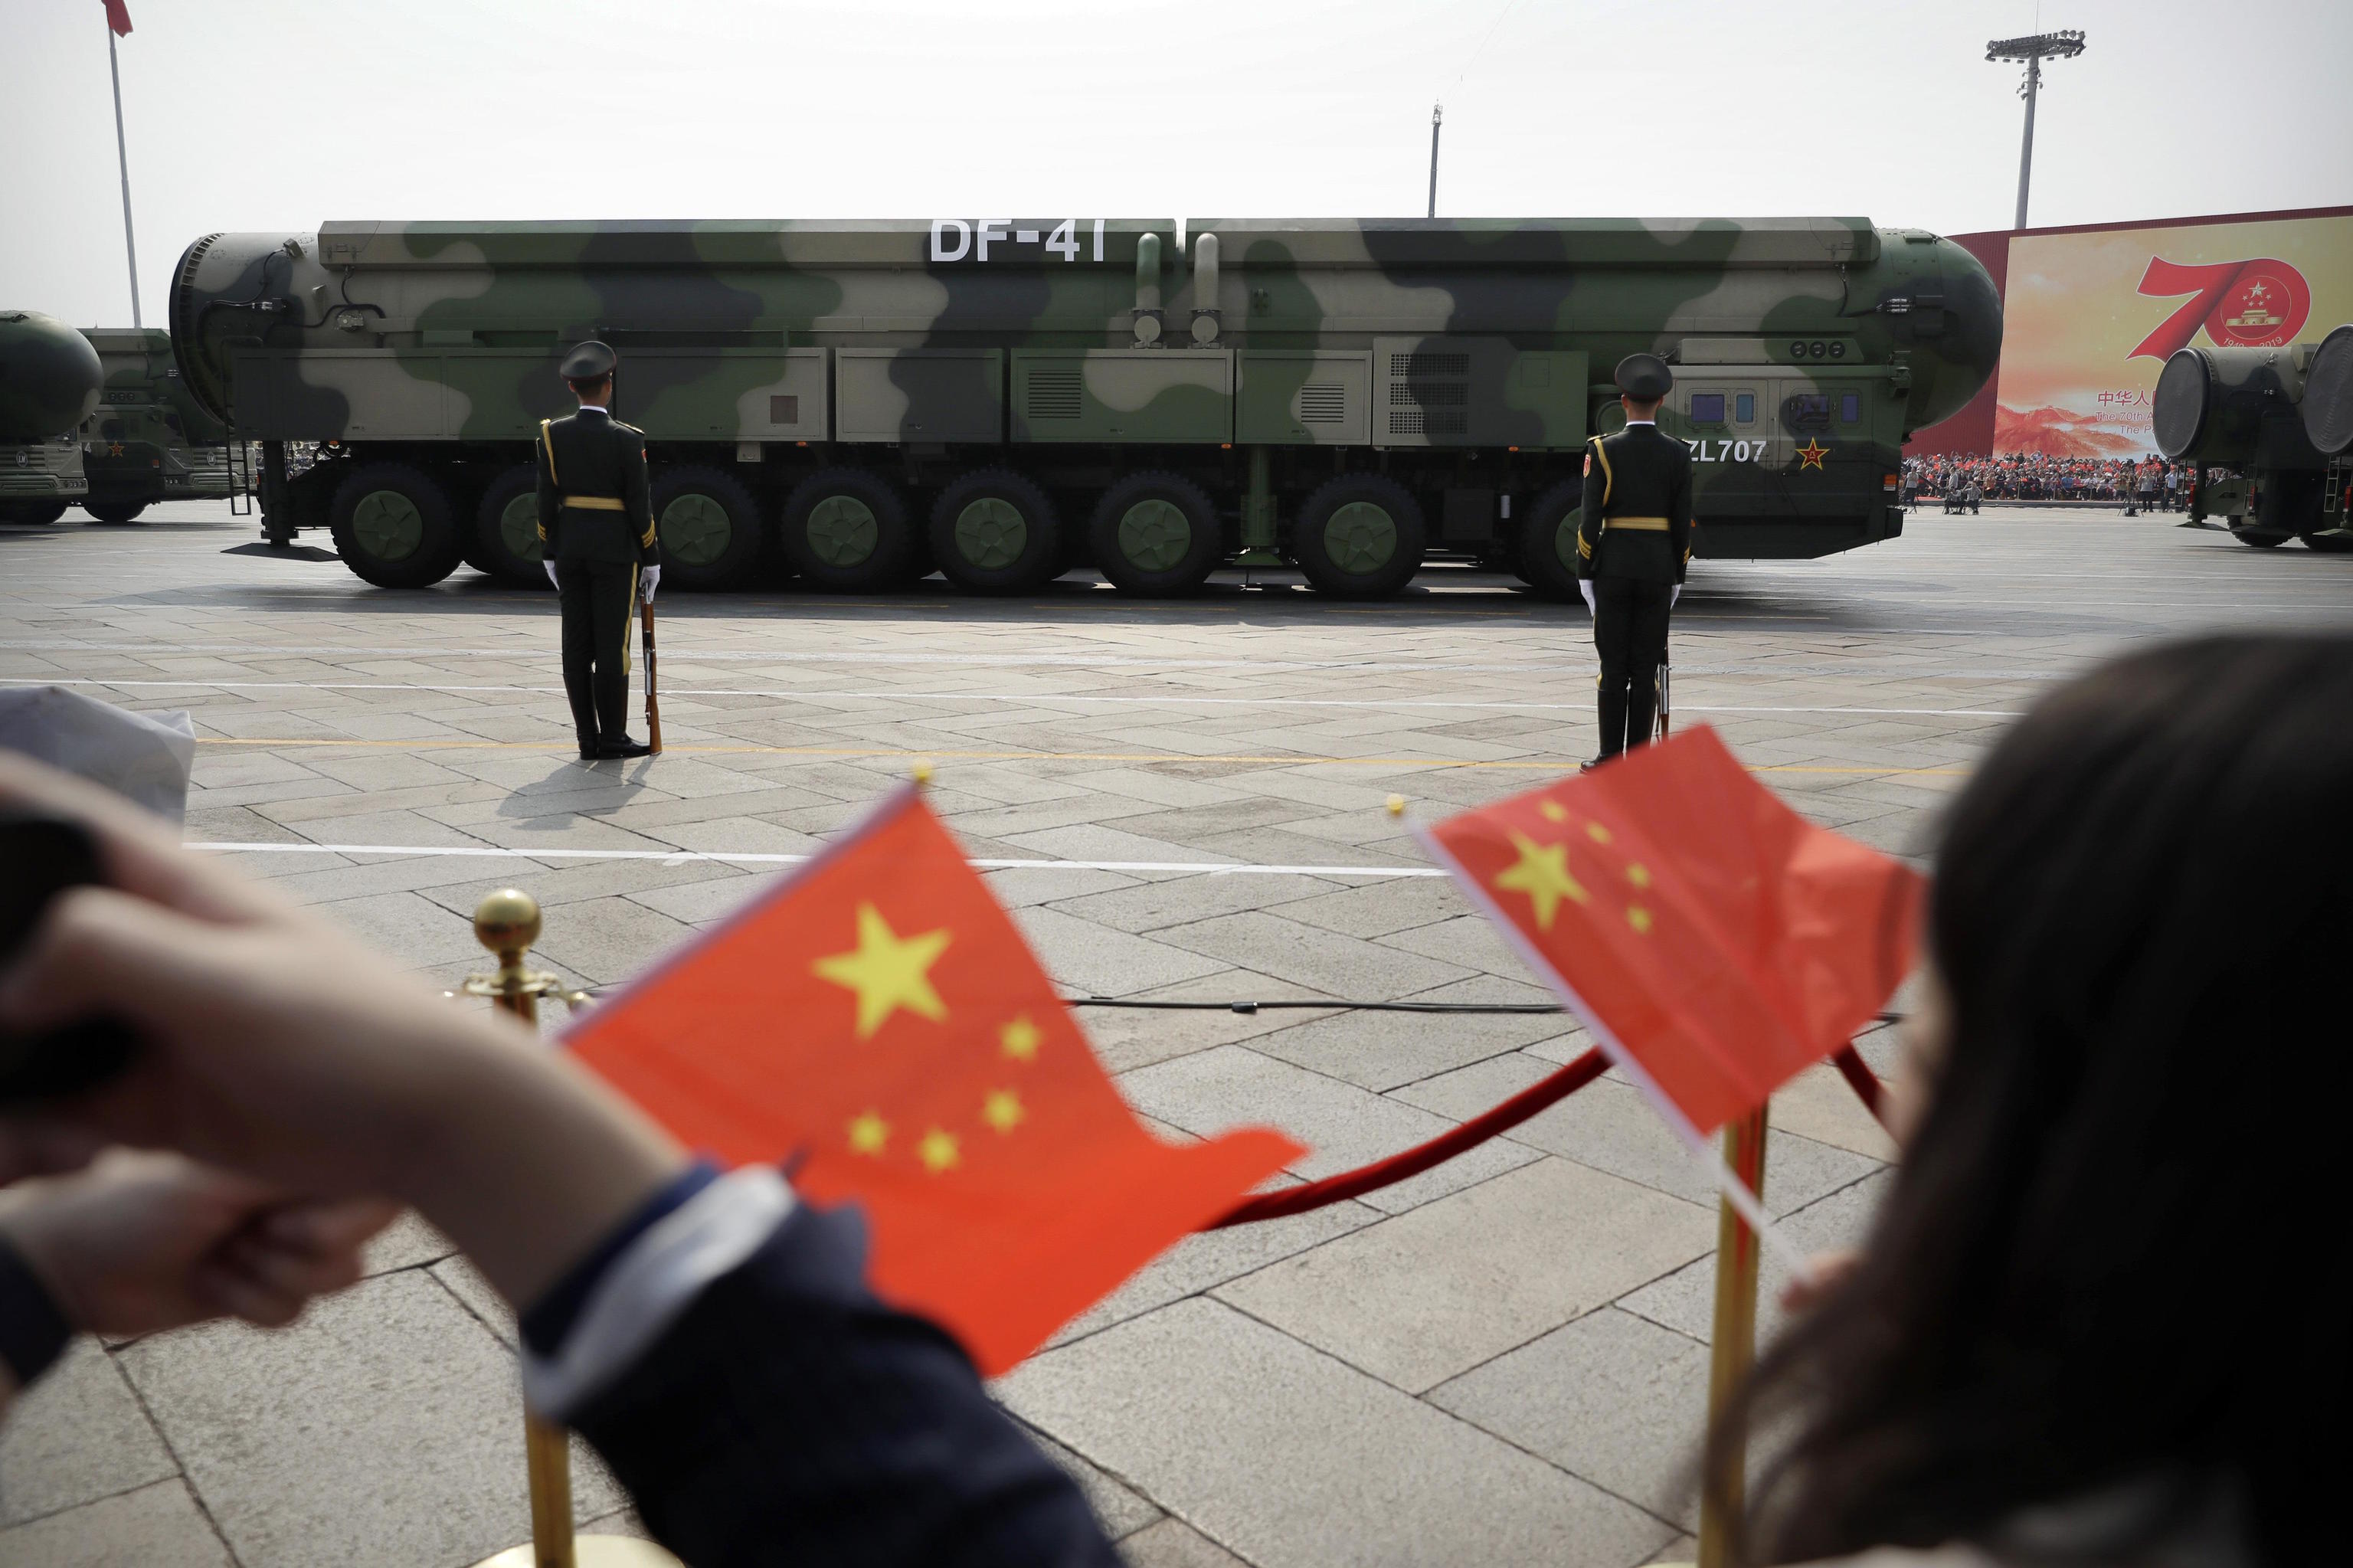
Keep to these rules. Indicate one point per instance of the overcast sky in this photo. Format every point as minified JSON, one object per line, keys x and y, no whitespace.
{"x":278,"y":114}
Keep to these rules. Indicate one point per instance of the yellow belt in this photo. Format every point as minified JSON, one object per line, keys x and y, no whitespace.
{"x":614,"y":504}
{"x":1639,"y":524}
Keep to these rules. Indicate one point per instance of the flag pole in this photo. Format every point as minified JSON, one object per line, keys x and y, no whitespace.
{"x":122,"y":158}
{"x":1733,"y":1341}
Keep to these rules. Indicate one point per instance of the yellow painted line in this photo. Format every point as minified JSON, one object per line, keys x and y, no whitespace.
{"x":1558,"y":765}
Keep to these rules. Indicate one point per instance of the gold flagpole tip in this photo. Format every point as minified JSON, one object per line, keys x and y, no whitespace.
{"x":1397,"y":805}
{"x":923,"y":770}
{"x":507,"y":921}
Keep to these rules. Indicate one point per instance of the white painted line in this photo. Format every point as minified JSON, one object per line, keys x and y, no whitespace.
{"x":1022,"y":697}
{"x":684,"y":857}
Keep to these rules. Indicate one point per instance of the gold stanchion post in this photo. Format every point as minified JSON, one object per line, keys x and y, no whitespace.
{"x":507,"y":923}
{"x":1734,"y":1340}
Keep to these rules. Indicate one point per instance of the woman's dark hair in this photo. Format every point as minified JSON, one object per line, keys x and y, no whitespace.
{"x":2114,"y":1251}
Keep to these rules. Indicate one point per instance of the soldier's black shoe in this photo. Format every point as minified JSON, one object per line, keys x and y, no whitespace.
{"x":624,"y":747}
{"x":1590,"y":766}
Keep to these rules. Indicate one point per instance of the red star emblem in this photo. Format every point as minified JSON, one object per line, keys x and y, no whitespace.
{"x":1810,"y":455}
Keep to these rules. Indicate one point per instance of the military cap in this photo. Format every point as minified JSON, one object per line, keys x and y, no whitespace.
{"x":590,"y":360}
{"x":1644,"y":377}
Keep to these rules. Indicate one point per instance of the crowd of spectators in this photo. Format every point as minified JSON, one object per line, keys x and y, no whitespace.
{"x":1962,"y":484}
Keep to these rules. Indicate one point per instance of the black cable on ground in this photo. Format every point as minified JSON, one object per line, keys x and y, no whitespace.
{"x":1300,"y":1004}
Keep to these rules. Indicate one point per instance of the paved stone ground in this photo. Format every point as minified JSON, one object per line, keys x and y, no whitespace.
{"x":1503,"y":1361}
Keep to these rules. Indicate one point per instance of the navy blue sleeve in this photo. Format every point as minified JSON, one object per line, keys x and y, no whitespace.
{"x":788,"y":1416}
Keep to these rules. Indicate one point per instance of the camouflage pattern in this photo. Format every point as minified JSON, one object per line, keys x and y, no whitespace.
{"x":2254,"y":422}
{"x":1455,"y":367}
{"x":148,"y":439}
{"x":49,"y":380}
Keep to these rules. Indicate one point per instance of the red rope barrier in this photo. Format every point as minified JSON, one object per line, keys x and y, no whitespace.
{"x":1537,"y":1096}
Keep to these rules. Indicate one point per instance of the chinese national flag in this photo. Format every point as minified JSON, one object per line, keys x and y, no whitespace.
{"x":1725,"y":943}
{"x":878,"y":1016}
{"x":118,"y":16}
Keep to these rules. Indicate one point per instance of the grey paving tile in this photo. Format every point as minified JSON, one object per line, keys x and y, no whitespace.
{"x":1209,"y":1258}
{"x":1120,"y":1510}
{"x":1289,"y":1457}
{"x":1176,"y":900}
{"x":1685,"y":1299}
{"x":1611,"y":1397}
{"x":75,"y":1436}
{"x":408,"y":929}
{"x":408,"y":1243}
{"x":1173,"y":1543}
{"x":156,"y":1526}
{"x":1425,"y":1295}
{"x":1334,"y":965}
{"x":611,"y":940}
{"x":1379,"y":1050}
{"x":1088,"y":959}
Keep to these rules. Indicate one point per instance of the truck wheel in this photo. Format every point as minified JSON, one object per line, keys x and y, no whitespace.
{"x":392,"y":527}
{"x":846,"y":531}
{"x":114,"y":511}
{"x":506,"y":530}
{"x":1155,"y":535}
{"x":2330,"y":543}
{"x":2259,"y":541}
{"x":708,"y":528}
{"x":995,"y":532}
{"x":1359,"y":536}
{"x":1547,"y":546}
{"x":33,"y":514}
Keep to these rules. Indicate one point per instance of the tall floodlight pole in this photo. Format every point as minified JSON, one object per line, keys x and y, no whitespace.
{"x":122,"y":156}
{"x":2033,"y":51}
{"x":1437,"y":112}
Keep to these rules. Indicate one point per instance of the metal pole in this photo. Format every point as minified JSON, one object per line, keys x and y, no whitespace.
{"x":1733,"y":1341}
{"x":122,"y":156}
{"x":2026,"y":148}
{"x":1437,"y":112}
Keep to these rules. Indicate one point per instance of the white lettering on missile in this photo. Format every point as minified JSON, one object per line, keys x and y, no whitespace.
{"x":1026,"y":236}
{"x":1064,"y":240}
{"x":940,"y":252}
{"x":985,"y":231}
{"x":974,"y":236}
{"x":1099,"y":223}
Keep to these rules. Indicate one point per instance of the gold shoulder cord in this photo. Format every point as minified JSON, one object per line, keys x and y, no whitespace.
{"x":548,"y":440}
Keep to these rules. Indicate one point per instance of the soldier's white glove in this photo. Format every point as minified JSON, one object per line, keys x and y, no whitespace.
{"x":1674,"y":594}
{"x":649,"y":580}
{"x":551,"y":574}
{"x":1585,"y":587}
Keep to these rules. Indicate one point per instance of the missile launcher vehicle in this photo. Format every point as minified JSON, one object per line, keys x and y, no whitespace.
{"x":149,"y":440}
{"x":49,"y":382}
{"x":2279,"y":422}
{"x":1001,"y":399}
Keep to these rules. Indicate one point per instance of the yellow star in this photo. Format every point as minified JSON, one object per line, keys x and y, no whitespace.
{"x":1002,"y":1110}
{"x":887,"y":971}
{"x":1810,"y":455}
{"x":1639,"y":874}
{"x":1554,"y":812}
{"x":1020,"y":1038}
{"x":938,"y":1150}
{"x":1597,"y":832}
{"x":1543,"y":874}
{"x":868,"y":1134}
{"x":1639,"y":918}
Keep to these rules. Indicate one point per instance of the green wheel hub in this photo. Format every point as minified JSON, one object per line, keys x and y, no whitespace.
{"x":1154,"y":534}
{"x":1564,"y":538}
{"x":695,"y":529}
{"x":387,"y":525}
{"x":519,"y":528}
{"x":1360,"y":537}
{"x":991,"y":533}
{"x":843,"y":531}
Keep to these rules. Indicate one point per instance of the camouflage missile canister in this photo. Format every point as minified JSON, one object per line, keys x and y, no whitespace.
{"x":2262,"y":414}
{"x":148,"y":439}
{"x":49,"y":379}
{"x":1005,"y":398}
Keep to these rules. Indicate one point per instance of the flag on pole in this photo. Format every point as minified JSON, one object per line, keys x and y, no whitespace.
{"x":118,"y":16}
{"x":1716,"y":941}
{"x":878,"y":1019}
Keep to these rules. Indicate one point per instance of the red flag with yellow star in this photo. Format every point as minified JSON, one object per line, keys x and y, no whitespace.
{"x":1716,"y":941}
{"x":877,"y":1017}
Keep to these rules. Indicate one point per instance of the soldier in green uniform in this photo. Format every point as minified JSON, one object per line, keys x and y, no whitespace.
{"x":597,"y":536}
{"x":1632,"y":545}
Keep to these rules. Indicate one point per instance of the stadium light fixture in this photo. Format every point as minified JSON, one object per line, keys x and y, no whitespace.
{"x":2032,"y":50}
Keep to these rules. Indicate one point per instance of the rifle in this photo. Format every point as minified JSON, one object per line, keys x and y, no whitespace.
{"x":1663,"y":674}
{"x":653,"y":703}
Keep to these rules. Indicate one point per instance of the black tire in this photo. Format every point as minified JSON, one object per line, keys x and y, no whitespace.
{"x":995,"y":532}
{"x":506,"y":530}
{"x":33,"y":514}
{"x":1360,"y":536}
{"x":1547,"y":541}
{"x":846,"y":531}
{"x":392,"y":526}
{"x":708,"y":529}
{"x":2259,"y":541}
{"x":2330,"y":543}
{"x":114,"y":511}
{"x":1155,"y":535}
